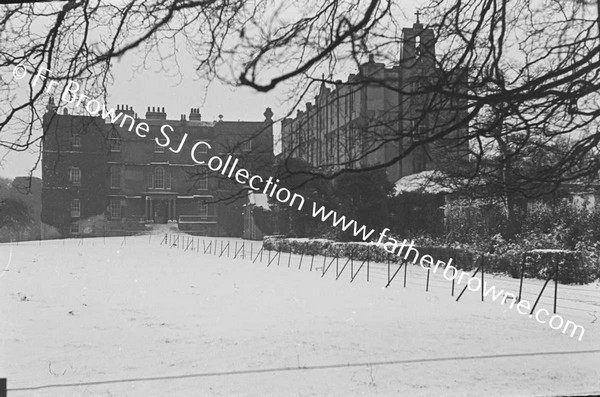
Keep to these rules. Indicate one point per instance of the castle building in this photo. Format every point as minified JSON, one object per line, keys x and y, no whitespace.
{"x":380,"y":113}
{"x":100,"y":177}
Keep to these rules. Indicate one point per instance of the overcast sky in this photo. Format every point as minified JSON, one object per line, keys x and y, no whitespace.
{"x":176,"y":94}
{"x":177,"y":90}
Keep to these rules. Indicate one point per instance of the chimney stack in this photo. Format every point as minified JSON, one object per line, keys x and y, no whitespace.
{"x":195,"y":114}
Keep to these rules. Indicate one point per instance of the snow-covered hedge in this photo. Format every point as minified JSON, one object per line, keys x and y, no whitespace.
{"x":361,"y":251}
{"x":573,"y":269}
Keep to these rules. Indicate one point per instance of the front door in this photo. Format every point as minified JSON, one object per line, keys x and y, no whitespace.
{"x":161,"y":211}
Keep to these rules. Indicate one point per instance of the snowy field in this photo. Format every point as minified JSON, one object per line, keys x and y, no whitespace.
{"x":115,"y":317}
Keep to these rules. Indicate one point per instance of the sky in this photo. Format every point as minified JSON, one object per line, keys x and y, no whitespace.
{"x":176,"y":94}
{"x":177,"y":89}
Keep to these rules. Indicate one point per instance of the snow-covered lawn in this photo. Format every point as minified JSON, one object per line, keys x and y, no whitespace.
{"x":135,"y":318}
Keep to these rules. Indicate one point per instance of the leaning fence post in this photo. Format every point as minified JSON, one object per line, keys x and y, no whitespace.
{"x":388,"y":266}
{"x":311,"y":261}
{"x":427,"y":285}
{"x":482,"y":275}
{"x":368,"y":260}
{"x":453,"y":278}
{"x":521,"y":282}
{"x":290,"y":257}
{"x":540,"y":295}
{"x":555,"y":284}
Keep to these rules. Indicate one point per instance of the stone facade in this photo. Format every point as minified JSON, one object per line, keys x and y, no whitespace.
{"x":358,"y":123}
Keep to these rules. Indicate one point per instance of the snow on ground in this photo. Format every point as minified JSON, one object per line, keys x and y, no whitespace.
{"x":130,"y":317}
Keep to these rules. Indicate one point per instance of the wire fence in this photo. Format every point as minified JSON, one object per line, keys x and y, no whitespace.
{"x":400,"y":274}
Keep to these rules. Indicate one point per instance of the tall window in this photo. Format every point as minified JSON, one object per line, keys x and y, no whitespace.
{"x":75,"y":208}
{"x":74,"y":228}
{"x":203,"y":180}
{"x":115,"y":142}
{"x":115,"y":209}
{"x":159,"y":178}
{"x":75,"y":141}
{"x":75,"y":176}
{"x":202,"y":208}
{"x":115,"y":177}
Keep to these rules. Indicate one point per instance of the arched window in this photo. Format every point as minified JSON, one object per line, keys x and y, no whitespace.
{"x":159,"y":178}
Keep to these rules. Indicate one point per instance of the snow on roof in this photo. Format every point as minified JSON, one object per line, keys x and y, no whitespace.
{"x":258,"y":199}
{"x":422,"y":182}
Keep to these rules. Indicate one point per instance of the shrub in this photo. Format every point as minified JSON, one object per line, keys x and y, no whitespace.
{"x":539,"y":263}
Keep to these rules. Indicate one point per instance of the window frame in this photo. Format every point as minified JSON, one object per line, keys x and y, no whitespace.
{"x":163,"y":178}
{"x":114,"y":141}
{"x":115,"y":204}
{"x":203,"y":209}
{"x":203,"y":180}
{"x":158,"y":148}
{"x":75,"y":176}
{"x":115,"y":173}
{"x":246,"y":146}
{"x":77,"y":226}
{"x":75,"y":208}
{"x":75,"y":141}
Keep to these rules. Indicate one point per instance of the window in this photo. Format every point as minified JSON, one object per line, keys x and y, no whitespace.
{"x":115,"y":209}
{"x":75,"y":176}
{"x":159,"y":178}
{"x":115,"y":177}
{"x":247,"y":146}
{"x":202,"y":208}
{"x":75,"y":141}
{"x":202,"y":149}
{"x":115,"y":142}
{"x":158,"y":148}
{"x":75,"y":208}
{"x":74,"y":228}
{"x":203,"y":180}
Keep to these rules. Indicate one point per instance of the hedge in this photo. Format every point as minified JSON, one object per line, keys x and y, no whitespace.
{"x":573,"y":269}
